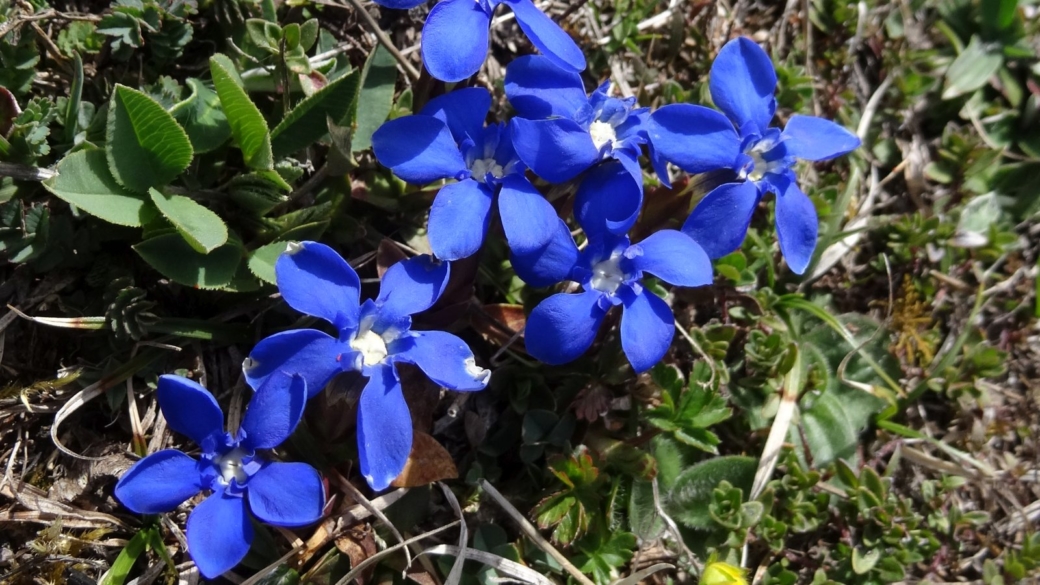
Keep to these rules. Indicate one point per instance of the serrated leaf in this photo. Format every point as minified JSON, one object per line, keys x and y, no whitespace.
{"x":144,"y":144}
{"x":171,"y":255}
{"x":261,"y":261}
{"x":247,"y":123}
{"x":971,"y":69}
{"x":376,"y":97}
{"x":306,"y":123}
{"x":202,"y":117}
{"x":692,"y":493}
{"x":201,"y":228}
{"x":83,"y":180}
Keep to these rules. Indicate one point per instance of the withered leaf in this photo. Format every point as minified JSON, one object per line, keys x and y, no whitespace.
{"x":428,"y":462}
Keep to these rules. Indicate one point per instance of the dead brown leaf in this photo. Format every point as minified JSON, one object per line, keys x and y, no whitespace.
{"x":428,"y":462}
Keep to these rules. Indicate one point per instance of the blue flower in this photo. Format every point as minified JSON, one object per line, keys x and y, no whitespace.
{"x":219,"y":529}
{"x":610,"y":271}
{"x":561,"y":132}
{"x":455,"y":36}
{"x":448,"y":139}
{"x":371,"y":338}
{"x":699,"y":139}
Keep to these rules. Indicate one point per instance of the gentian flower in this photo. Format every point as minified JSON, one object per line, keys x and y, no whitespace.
{"x":610,"y":271}
{"x":371,"y":338}
{"x":448,"y":139}
{"x":560,"y":132}
{"x":243,"y":483}
{"x":455,"y":36}
{"x":699,"y":139}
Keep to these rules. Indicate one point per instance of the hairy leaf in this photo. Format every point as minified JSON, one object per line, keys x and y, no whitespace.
{"x":306,"y":123}
{"x":201,"y":228}
{"x":84,"y":180}
{"x":145,"y":145}
{"x":247,"y":123}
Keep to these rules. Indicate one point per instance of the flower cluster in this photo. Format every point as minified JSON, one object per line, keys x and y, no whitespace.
{"x":561,"y":134}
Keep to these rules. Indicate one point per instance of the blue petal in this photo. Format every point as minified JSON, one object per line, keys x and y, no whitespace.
{"x":219,"y":534}
{"x":316,"y":281}
{"x":673,"y":257}
{"x":547,"y":36}
{"x":694,"y":138}
{"x":384,"y":428}
{"x":159,"y":483}
{"x":463,"y":110}
{"x":409,"y":287}
{"x":556,"y":150}
{"x":455,"y":39}
{"x":286,"y":494}
{"x":608,"y":200}
{"x":538,"y":89}
{"x":563,"y":326}
{"x":419,"y":149}
{"x":399,"y":4}
{"x":797,"y":226}
{"x":629,"y":158}
{"x":720,"y":221}
{"x":660,"y":165}
{"x":527,"y":218}
{"x":308,"y":352}
{"x":551,"y":263}
{"x":647,"y":328}
{"x":445,"y":358}
{"x":742,"y":84}
{"x":459,"y":219}
{"x":812,"y":138}
{"x":189,"y":409}
{"x":274,"y":411}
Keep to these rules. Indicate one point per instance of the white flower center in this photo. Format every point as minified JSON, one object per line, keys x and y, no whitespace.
{"x":481,"y":168}
{"x":602,"y":133}
{"x":761,"y":166}
{"x":230,"y":466}
{"x":371,"y":345}
{"x":607,"y":275}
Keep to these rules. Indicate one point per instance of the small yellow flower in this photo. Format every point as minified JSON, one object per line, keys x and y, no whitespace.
{"x":719,"y":573}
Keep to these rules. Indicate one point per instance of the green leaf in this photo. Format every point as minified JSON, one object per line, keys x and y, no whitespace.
{"x":997,"y":15}
{"x":864,"y":562}
{"x":827,"y":429}
{"x":117,"y":574}
{"x":247,"y":123}
{"x":203,"y":229}
{"x":971,"y":69}
{"x":377,"y":97}
{"x":643,"y":519}
{"x":262,"y":260}
{"x":75,"y":99}
{"x":259,"y":191}
{"x":692,"y":493}
{"x":84,"y":180}
{"x":171,"y":255}
{"x":145,"y":145}
{"x":202,"y":117}
{"x":306,"y":123}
